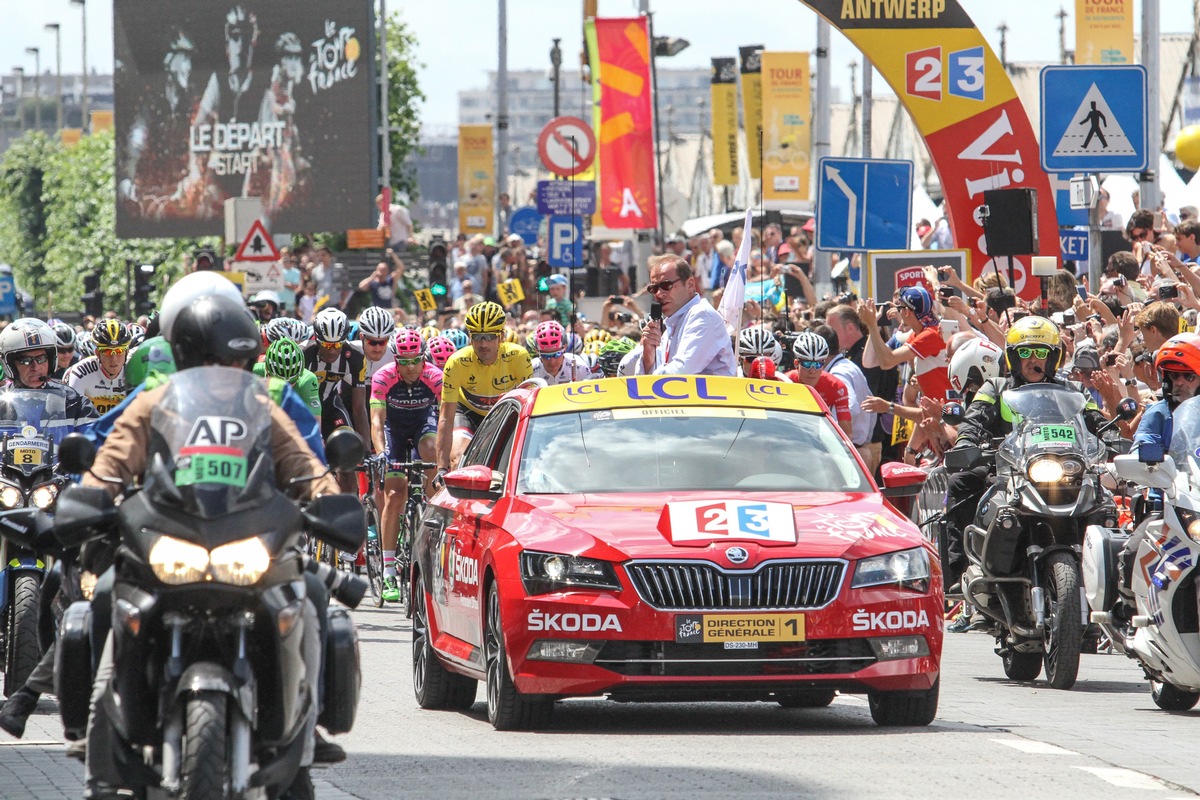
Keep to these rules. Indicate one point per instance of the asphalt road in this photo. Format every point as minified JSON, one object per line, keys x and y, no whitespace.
{"x":992,"y":739}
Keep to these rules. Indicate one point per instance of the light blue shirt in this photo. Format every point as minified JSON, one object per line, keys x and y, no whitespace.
{"x":694,"y":342}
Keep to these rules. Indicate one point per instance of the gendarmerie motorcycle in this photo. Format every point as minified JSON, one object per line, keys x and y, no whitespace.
{"x":1024,"y":546}
{"x":1149,"y":606}
{"x":32,"y":423}
{"x":216,"y":653}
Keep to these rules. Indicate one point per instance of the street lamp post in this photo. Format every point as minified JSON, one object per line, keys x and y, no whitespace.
{"x":37,"y":84}
{"x":54,"y":26}
{"x":19,"y":85}
{"x":666,"y":46}
{"x":83,"y":123}
{"x":556,"y":64}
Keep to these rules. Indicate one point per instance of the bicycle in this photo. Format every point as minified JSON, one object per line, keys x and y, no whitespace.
{"x":414,"y":507}
{"x":375,"y":469}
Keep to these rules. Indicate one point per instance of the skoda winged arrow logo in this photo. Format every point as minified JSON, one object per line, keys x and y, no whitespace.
{"x":737,"y":555}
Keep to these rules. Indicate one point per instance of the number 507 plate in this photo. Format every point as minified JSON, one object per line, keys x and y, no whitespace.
{"x":710,"y":628}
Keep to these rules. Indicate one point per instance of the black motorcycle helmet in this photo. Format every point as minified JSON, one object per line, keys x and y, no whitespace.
{"x":215,"y":331}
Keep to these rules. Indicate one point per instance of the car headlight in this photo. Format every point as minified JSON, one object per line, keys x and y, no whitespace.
{"x":240,"y":563}
{"x":43,"y":496}
{"x":11,"y":497}
{"x":549,"y":572}
{"x":907,"y":568}
{"x":175,"y":561}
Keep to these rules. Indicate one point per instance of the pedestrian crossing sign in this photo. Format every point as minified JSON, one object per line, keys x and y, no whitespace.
{"x":1094,"y":119}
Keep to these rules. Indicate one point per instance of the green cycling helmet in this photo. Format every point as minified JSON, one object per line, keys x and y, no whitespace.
{"x":152,"y":355}
{"x":284,"y":360}
{"x":611,"y":354}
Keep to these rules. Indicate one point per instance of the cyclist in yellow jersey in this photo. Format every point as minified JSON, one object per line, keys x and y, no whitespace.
{"x":473,"y":380}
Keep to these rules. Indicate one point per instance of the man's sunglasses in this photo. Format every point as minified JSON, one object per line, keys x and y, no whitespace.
{"x":28,"y":361}
{"x":661,"y":286}
{"x":111,"y":351}
{"x":62,"y":349}
{"x":410,"y":362}
{"x":331,"y":345}
{"x":375,"y":342}
{"x":1187,"y":377}
{"x":1036,"y":352}
{"x":484,"y":337}
{"x":811,"y":364}
{"x":1139,"y":235}
{"x":556,"y":354}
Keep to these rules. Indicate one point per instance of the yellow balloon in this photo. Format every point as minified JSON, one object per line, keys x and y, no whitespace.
{"x":353,"y":49}
{"x":1187,"y":147}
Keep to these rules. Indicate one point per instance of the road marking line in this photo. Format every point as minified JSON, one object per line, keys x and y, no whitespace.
{"x":1126,"y":778}
{"x":1036,"y":748}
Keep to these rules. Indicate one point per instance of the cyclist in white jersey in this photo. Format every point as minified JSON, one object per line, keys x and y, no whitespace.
{"x":554,"y":364}
{"x":375,"y":329}
{"x":101,"y":378}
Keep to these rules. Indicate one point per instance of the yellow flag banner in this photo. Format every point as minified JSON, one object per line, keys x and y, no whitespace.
{"x":723,"y":87}
{"x":1103,"y":31}
{"x":751,"y":59}
{"x":476,"y":179}
{"x":425,"y":300}
{"x":902,"y":429}
{"x":787,"y":126}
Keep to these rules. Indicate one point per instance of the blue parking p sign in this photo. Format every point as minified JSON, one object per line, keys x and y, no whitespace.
{"x":8,"y":295}
{"x":565,"y":236}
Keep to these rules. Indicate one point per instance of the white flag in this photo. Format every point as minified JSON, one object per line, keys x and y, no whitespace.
{"x":735,"y":288}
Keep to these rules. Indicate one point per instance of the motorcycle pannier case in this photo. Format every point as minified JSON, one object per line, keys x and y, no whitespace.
{"x":342,"y":677}
{"x":1101,"y":553}
{"x":73,"y":667}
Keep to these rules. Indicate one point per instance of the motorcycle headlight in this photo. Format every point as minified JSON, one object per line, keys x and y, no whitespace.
{"x":175,"y":561}
{"x":43,"y":496}
{"x":10,"y":497}
{"x":240,"y":563}
{"x":549,"y":572}
{"x":1189,"y":521}
{"x":907,"y":568}
{"x":1046,"y":470}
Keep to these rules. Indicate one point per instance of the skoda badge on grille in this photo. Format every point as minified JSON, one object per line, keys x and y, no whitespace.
{"x":737,"y":555}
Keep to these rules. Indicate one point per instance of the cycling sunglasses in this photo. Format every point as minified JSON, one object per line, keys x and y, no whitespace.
{"x":330,"y":345}
{"x":811,"y":364}
{"x":556,"y":354}
{"x":410,"y":362}
{"x":375,"y":342}
{"x":28,"y":361}
{"x":110,"y":351}
{"x":1036,"y":352}
{"x":484,"y":337}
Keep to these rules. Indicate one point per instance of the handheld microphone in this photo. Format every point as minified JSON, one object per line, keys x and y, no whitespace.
{"x":656,"y":311}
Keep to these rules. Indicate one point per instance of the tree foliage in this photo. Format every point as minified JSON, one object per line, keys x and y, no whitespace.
{"x":22,"y":213}
{"x":404,"y":97}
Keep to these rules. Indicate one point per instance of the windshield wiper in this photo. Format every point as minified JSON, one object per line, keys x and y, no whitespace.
{"x":736,"y":434}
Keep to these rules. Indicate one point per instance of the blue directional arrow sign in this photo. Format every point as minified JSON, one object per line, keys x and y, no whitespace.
{"x":1094,"y":119}
{"x":565,"y":241}
{"x":8,"y":295}
{"x":863,"y":204}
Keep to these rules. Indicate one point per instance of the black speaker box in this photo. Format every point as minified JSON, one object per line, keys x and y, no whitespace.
{"x":1010,"y":227}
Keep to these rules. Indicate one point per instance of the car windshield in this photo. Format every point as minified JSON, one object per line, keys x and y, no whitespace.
{"x":686,"y":449}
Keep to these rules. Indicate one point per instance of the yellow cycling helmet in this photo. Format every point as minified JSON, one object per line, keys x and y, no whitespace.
{"x":511,"y":336}
{"x":485,"y":318}
{"x":597,"y":335}
{"x":1035,"y":332}
{"x":593,"y":347}
{"x":429,"y":331}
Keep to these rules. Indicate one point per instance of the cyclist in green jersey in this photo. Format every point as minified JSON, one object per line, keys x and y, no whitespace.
{"x":285,"y":360}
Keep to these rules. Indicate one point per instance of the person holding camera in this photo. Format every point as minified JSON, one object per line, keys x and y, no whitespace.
{"x":687,"y":336}
{"x":618,"y":311}
{"x":924,"y":349}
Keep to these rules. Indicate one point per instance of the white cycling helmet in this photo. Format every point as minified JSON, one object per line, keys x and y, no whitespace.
{"x":757,"y":341}
{"x":331,"y":326}
{"x":974,"y":363}
{"x":375,"y":323}
{"x":189,"y":288}
{"x":811,"y":346}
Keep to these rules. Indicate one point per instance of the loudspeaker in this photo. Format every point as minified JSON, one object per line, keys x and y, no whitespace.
{"x":1010,"y":227}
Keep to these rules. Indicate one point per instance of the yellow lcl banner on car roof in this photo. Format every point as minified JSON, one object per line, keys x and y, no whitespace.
{"x":674,"y":390}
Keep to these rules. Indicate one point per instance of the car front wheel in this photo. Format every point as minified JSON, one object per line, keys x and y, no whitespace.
{"x":508,"y":709}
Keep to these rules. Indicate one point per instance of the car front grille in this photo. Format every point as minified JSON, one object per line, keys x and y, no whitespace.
{"x":703,"y":586}
{"x":667,"y":659}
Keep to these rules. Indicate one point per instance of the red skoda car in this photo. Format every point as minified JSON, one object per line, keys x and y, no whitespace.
{"x":665,"y":538}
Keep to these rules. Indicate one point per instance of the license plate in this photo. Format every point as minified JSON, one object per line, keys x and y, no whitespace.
{"x":712,"y":628}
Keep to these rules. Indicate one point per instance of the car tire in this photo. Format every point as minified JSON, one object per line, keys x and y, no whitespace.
{"x":892,"y":709}
{"x":1169,"y":697}
{"x":806,"y":698}
{"x":436,"y":688}
{"x":508,"y":709}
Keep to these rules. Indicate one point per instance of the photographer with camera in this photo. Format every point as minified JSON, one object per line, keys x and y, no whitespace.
{"x":619,"y":311}
{"x":924,"y":349}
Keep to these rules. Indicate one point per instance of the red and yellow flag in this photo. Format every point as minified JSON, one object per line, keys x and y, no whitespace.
{"x":626,"y":195}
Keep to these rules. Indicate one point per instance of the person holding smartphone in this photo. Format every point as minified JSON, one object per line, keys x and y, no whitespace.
{"x":688,"y":336}
{"x":925,"y":349}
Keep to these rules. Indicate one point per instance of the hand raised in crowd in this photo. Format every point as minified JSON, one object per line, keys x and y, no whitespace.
{"x":931,"y":408}
{"x":866,"y":312}
{"x":876,"y":405}
{"x":1109,"y":389}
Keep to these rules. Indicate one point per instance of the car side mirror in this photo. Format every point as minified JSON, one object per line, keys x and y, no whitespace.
{"x":76,"y":454}
{"x":338,"y":520}
{"x":82,"y":513}
{"x":344,"y":450}
{"x":901,"y":480}
{"x":476,"y":482}
{"x":953,"y":413}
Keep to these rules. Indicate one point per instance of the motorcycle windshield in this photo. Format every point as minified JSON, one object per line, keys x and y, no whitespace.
{"x":1185,"y":436}
{"x":212,"y":433}
{"x":1046,"y":418}
{"x":1045,"y":401}
{"x":34,"y":412}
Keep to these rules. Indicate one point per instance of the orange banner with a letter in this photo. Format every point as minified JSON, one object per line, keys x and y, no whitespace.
{"x":627,"y":197}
